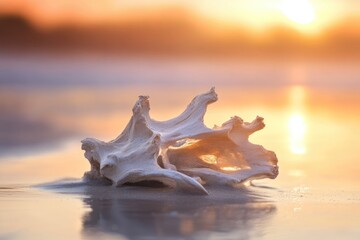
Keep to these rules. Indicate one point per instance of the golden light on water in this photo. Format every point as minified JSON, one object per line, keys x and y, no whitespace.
{"x":296,"y":123}
{"x":299,"y":11}
{"x":297,"y":97}
{"x":297,"y":130}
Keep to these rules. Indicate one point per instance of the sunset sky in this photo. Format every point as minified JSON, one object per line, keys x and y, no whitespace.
{"x":306,"y":15}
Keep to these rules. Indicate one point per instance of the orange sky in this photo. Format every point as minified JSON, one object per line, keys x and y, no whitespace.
{"x":305,"y":15}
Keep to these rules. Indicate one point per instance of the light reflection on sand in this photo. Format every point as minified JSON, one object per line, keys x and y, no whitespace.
{"x":297,"y":128}
{"x":31,"y":214}
{"x":297,"y":124}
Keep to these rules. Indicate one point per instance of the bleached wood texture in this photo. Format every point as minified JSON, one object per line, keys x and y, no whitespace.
{"x":181,"y":152}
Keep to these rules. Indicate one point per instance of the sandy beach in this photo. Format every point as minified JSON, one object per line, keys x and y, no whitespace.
{"x":71,"y":209}
{"x":312,"y":129}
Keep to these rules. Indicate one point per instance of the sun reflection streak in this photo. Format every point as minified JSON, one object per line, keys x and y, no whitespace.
{"x":296,"y":123}
{"x":297,"y":128}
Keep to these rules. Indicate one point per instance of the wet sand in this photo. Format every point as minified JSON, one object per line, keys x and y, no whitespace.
{"x":74,"y":210}
{"x":311,"y":127}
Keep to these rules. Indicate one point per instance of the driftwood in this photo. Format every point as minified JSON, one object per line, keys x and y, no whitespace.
{"x":181,"y":152}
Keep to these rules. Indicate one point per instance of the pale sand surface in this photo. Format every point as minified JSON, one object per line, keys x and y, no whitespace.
{"x":69,"y":209}
{"x":312,"y":115}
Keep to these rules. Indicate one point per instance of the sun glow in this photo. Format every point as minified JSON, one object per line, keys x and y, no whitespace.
{"x":297,"y":129}
{"x":296,"y":123}
{"x":299,"y":11}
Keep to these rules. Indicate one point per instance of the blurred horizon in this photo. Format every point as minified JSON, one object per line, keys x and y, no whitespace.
{"x":276,"y":29}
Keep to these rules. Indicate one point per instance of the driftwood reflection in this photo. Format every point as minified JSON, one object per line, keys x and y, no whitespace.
{"x":183,"y":216}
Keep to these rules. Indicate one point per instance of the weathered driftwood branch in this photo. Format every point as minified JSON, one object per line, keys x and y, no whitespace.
{"x":181,"y":152}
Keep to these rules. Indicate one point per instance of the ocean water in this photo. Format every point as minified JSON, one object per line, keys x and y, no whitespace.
{"x":49,"y":103}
